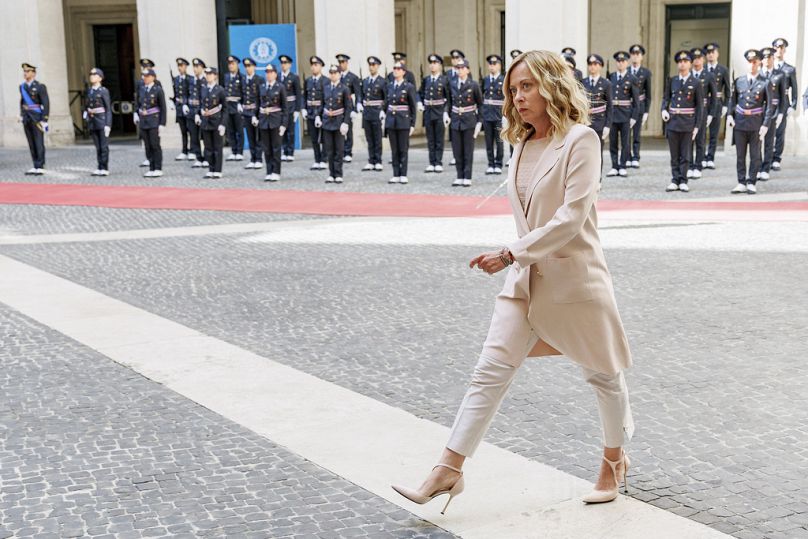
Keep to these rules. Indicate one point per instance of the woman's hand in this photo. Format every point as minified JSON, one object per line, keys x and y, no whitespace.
{"x":490,"y":262}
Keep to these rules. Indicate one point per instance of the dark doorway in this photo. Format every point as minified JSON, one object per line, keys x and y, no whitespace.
{"x":694,"y":25}
{"x":115,"y":56}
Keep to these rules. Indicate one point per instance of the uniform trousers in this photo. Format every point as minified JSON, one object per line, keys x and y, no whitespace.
{"x":744,"y":139}
{"x":334,"y":144}
{"x":373,"y":135}
{"x":316,"y":140}
{"x":194,"y":136}
{"x":635,"y":141}
{"x":598,"y":128}
{"x":493,"y":144}
{"x":715,"y":126}
{"x":400,"y":149}
{"x":154,"y":152}
{"x":463,"y":150}
{"x":214,"y":149}
{"x":271,"y":143}
{"x":780,"y":139}
{"x":253,"y":140}
{"x":289,"y":136}
{"x":619,"y":130}
{"x":434,"y":139}
{"x":234,"y":124}
{"x":501,"y":357}
{"x":183,"y":133}
{"x":348,"y":150}
{"x":36,"y":143}
{"x":699,"y":151}
{"x":101,"y":142}
{"x":679,"y":143}
{"x":768,"y":148}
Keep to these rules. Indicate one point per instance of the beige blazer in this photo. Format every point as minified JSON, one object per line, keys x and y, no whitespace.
{"x":559,"y":264}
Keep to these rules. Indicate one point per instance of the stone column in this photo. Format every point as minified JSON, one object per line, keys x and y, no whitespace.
{"x":550,"y":25}
{"x":167,"y":30}
{"x":33,"y":31}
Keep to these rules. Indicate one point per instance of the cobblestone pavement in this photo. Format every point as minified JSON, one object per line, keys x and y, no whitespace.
{"x":74,"y":164}
{"x":717,"y":390}
{"x":91,"y":449}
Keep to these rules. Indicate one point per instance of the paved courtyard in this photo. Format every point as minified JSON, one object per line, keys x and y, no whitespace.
{"x":108,"y":429}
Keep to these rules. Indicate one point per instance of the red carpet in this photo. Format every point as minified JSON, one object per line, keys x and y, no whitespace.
{"x":319,"y":202}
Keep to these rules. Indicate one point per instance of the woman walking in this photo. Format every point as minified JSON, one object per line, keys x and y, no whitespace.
{"x":558,"y":296}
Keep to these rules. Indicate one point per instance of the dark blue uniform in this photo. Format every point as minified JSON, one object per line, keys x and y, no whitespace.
{"x":599,"y":94}
{"x":684,"y":101}
{"x":181,"y":85}
{"x":401,"y":111}
{"x":777,"y":85}
{"x":626,"y":106}
{"x":234,"y":87}
{"x":294,"y":102}
{"x":643,"y":77}
{"x":723,"y":89}
{"x":194,"y":101}
{"x":789,"y":73}
{"x":374,"y":98}
{"x":99,"y":115}
{"x":354,"y":85}
{"x":152,"y":112}
{"x":712,"y":106}
{"x":213,"y":112}
{"x":750,"y":105}
{"x":314,"y":108}
{"x":434,"y":94}
{"x":32,"y":115}
{"x":465,"y":102}
{"x":273,"y":113}
{"x":249,"y":104}
{"x":493,"y":101}
{"x":337,"y":108}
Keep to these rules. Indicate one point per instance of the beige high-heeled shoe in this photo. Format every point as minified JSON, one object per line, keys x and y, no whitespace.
{"x":602,"y":496}
{"x":415,"y":496}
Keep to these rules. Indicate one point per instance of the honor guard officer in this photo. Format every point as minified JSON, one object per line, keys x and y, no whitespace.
{"x":408,"y":75}
{"x":599,"y":94}
{"x":180,"y":99}
{"x":249,"y":106}
{"x":711,"y":108}
{"x":272,"y":121}
{"x":234,"y":125}
{"x":722,"y":83}
{"x":682,"y":109}
{"x":352,"y":82}
{"x":457,"y":56}
{"x":374,"y":98}
{"x":145,"y":64}
{"x":569,"y":55}
{"x":34,"y":111}
{"x":777,"y":85}
{"x":400,"y":120}
{"x":792,"y":92}
{"x":750,"y":112}
{"x":98,"y":114}
{"x":314,"y":109}
{"x":493,"y":101}
{"x":434,"y":94}
{"x":152,"y":113}
{"x":211,"y":120}
{"x":643,"y":76}
{"x":194,"y":101}
{"x":337,"y":109}
{"x":626,"y":110}
{"x":465,"y":101}
{"x":294,"y":102}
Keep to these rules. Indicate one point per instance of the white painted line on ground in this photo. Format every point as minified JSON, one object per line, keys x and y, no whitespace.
{"x":760,"y":197}
{"x":367,"y":442}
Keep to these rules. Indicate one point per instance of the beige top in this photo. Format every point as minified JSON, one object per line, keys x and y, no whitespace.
{"x":532,"y":152}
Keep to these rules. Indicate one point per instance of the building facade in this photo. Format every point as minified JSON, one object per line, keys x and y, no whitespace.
{"x":65,"y":38}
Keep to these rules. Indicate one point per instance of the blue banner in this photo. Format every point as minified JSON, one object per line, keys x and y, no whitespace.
{"x":264,"y":43}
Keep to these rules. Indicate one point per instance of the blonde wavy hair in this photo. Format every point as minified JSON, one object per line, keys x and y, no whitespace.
{"x":566,"y":100}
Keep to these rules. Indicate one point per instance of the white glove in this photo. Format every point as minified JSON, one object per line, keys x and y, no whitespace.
{"x":709,"y":119}
{"x":762,"y":132}
{"x":198,"y":119}
{"x":254,"y":121}
{"x":360,"y":107}
{"x":446,"y":120}
{"x":412,"y":130}
{"x":343,"y":129}
{"x":107,"y":130}
{"x":382,"y":116}
{"x":44,"y":125}
{"x":239,"y":108}
{"x":282,"y":130}
{"x":477,"y":129}
{"x":135,"y":118}
{"x":305,"y":113}
{"x":666,"y":115}
{"x":85,"y":115}
{"x":318,"y":123}
{"x":790,"y":111}
{"x":730,"y":121}
{"x":779,"y":120}
{"x":186,"y":109}
{"x":644,"y":117}
{"x":354,"y":114}
{"x":296,"y":115}
{"x":221,"y":130}
{"x":632,"y":122}
{"x":605,"y":133}
{"x":723,"y":111}
{"x":420,"y":106}
{"x":160,"y":129}
{"x":695,"y":132}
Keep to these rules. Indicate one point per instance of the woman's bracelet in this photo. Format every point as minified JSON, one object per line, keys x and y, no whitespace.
{"x":506,"y":257}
